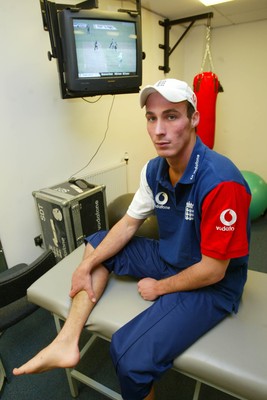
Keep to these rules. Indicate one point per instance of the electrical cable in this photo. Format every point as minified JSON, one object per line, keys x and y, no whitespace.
{"x":101,"y":143}
{"x":92,"y":102}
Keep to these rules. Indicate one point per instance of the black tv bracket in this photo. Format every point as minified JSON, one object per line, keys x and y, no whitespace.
{"x":49,"y":11}
{"x":167,"y":24}
{"x":48,"y":6}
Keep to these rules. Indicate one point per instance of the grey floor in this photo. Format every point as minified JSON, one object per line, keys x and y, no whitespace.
{"x":22,"y":341}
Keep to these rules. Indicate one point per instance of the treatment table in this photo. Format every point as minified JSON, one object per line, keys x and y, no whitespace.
{"x":232,"y":357}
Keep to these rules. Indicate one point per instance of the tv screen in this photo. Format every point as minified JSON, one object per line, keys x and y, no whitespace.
{"x":102,"y":52}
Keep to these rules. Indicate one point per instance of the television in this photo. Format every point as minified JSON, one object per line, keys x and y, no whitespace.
{"x":101,"y":52}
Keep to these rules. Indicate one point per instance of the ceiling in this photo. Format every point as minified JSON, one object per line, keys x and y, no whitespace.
{"x":230,"y":13}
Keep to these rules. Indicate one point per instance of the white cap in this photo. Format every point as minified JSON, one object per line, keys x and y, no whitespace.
{"x":172,"y":90}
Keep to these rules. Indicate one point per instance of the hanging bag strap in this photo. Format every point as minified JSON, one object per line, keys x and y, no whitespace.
{"x":207,"y":50}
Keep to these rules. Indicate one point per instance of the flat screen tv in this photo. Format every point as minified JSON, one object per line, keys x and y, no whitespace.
{"x":101,"y":51}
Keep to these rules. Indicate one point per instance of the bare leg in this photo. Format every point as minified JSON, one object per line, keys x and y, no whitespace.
{"x":63,"y":352}
{"x":151,"y":395}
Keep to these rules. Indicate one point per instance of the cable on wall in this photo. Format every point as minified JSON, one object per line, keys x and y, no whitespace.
{"x":101,"y":143}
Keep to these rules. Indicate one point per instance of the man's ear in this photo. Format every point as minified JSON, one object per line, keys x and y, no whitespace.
{"x":195,"y":119}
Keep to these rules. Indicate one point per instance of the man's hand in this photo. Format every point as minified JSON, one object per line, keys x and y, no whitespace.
{"x":82,"y":280}
{"x":147,"y":288}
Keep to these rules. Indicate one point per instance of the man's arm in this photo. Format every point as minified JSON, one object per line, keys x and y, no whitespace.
{"x":120,"y":234}
{"x":116,"y":239}
{"x":204,"y":273}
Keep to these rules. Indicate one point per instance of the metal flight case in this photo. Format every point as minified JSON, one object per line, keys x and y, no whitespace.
{"x":69,"y":212}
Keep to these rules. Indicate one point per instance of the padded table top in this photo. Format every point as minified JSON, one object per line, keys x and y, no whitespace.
{"x":232,"y":356}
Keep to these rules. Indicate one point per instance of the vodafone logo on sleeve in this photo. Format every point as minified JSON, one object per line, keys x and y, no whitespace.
{"x":228,"y":218}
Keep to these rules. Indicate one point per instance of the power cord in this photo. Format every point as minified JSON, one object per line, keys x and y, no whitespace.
{"x":101,"y":143}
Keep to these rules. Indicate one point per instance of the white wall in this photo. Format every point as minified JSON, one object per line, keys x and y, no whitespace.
{"x":45,"y":139}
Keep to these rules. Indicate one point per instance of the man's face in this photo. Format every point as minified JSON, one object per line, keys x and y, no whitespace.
{"x":170,"y":130}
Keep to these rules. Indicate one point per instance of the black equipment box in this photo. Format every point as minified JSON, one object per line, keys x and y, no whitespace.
{"x":69,"y":212}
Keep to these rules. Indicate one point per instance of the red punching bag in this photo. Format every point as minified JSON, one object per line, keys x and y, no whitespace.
{"x":206,"y":87}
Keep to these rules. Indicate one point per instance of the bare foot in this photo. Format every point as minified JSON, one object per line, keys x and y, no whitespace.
{"x":56,"y":355}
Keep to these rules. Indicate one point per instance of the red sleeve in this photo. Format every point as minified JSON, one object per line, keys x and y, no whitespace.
{"x":224,"y":220}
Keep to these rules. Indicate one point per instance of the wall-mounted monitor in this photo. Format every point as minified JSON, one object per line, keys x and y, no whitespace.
{"x":101,"y":52}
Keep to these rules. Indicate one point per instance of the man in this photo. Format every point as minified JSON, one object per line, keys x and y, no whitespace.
{"x":195,"y":273}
